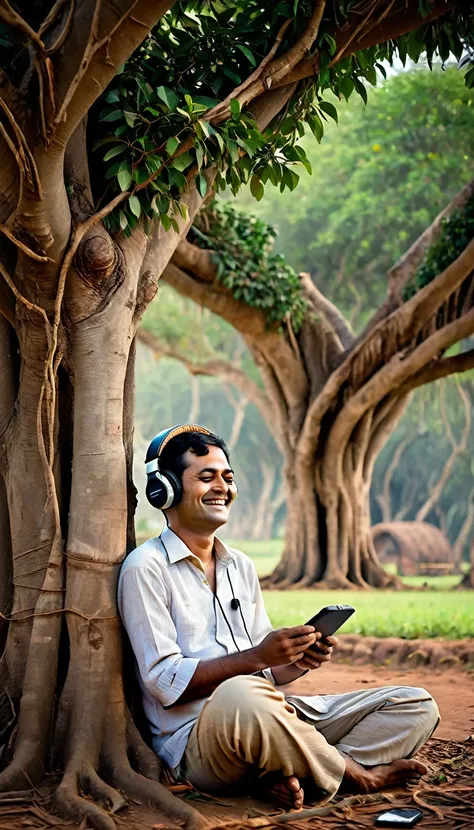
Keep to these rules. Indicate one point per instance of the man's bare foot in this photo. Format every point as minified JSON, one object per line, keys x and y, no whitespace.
{"x":287,"y":792}
{"x":372,"y":779}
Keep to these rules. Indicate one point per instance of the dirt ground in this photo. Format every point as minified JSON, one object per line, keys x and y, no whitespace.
{"x":452,"y":688}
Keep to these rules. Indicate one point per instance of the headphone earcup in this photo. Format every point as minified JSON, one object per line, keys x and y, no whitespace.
{"x":163,"y":490}
{"x":176,"y":486}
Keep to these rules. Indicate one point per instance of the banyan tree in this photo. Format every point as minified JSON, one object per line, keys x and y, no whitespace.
{"x":332,"y":398}
{"x":117,"y":118}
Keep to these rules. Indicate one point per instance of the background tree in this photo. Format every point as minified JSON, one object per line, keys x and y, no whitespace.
{"x":335,"y":398}
{"x":177,"y":96}
{"x":329,"y":213}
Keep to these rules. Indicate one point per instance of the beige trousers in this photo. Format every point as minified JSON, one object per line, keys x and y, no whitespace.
{"x":248,"y":725}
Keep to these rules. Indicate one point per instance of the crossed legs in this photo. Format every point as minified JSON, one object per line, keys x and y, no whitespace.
{"x":364,"y":739}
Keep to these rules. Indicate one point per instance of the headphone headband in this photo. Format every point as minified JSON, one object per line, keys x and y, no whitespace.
{"x":163,"y":487}
{"x":162,"y":439}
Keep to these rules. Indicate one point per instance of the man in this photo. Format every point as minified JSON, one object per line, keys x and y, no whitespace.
{"x":210,"y":665}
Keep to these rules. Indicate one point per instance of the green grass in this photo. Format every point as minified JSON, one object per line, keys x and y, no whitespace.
{"x":408,"y":614}
{"x":411,"y":614}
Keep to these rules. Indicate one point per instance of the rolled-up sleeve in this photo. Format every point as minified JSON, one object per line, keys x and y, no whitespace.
{"x":164,"y":670}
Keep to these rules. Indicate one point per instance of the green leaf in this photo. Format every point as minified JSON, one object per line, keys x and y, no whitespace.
{"x":256,"y":188}
{"x":360,"y":88}
{"x":469,"y":78}
{"x":168,"y":97}
{"x":199,"y":155}
{"x":329,"y":109}
{"x":182,"y":161}
{"x":346,"y":86}
{"x":235,"y":108}
{"x":331,"y":43}
{"x":288,"y":125}
{"x":113,"y":116}
{"x":316,"y":127}
{"x":165,"y":221}
{"x":135,"y":205}
{"x":115,"y":151}
{"x":202,"y":185}
{"x":171,"y":145}
{"x":248,"y":54}
{"x":123,"y":220}
{"x":124,"y":175}
{"x":371,"y":75}
{"x":130,"y":118}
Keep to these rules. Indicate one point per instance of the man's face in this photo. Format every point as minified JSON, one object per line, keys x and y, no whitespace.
{"x":208,"y":491}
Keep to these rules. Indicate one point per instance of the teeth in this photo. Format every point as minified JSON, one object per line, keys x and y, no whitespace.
{"x":216,"y":501}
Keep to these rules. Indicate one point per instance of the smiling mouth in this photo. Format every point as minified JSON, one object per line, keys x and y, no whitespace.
{"x":218,"y":502}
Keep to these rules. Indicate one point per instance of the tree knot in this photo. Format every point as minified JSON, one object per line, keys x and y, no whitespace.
{"x":96,"y":257}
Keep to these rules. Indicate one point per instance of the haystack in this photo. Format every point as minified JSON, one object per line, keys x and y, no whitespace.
{"x":414,"y":547}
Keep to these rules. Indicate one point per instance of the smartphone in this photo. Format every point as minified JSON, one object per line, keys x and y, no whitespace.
{"x":330,"y":618}
{"x":404,"y":817}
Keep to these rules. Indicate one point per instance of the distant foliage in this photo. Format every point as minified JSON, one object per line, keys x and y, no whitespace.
{"x":458,"y":231}
{"x":380,"y":178}
{"x":247,"y":265}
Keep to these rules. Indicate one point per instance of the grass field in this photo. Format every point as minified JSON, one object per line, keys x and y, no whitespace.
{"x":410,"y":614}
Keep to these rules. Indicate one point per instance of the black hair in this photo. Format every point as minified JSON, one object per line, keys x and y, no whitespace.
{"x":172,"y":457}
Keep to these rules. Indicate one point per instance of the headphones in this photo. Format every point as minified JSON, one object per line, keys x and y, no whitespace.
{"x":163,"y":487}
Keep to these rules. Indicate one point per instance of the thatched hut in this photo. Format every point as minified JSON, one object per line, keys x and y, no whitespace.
{"x":414,"y":547}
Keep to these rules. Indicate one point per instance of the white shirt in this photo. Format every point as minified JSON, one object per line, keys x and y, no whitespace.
{"x":173,"y":621}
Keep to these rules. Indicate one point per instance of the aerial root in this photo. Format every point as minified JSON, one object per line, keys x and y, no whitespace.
{"x":70,"y":804}
{"x":155,"y":794}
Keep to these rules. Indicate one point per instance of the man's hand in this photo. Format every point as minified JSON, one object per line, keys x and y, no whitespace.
{"x":285,"y":645}
{"x":320,"y":653}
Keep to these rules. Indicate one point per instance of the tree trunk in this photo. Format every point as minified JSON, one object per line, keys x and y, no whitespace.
{"x":73,"y":705}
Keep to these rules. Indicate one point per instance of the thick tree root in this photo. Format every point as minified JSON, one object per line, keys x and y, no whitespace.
{"x":25,"y":770}
{"x":141,"y":757}
{"x":155,"y":794}
{"x":101,"y":792}
{"x":70,"y":804}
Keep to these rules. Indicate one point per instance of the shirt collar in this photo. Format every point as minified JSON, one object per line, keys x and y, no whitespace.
{"x":176,"y":550}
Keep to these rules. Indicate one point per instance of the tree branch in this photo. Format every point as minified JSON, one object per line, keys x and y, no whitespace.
{"x":252,"y":325}
{"x":440,"y":369}
{"x":7,"y":303}
{"x":406,"y":267}
{"x":277,"y":71}
{"x":391,"y":376}
{"x":109,"y":31}
{"x":382,"y":345}
{"x":15,"y":21}
{"x":384,"y":498}
{"x":330,"y":311}
{"x":400,"y":21}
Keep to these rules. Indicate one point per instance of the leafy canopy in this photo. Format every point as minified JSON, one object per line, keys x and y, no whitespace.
{"x":154,"y":132}
{"x":154,"y":129}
